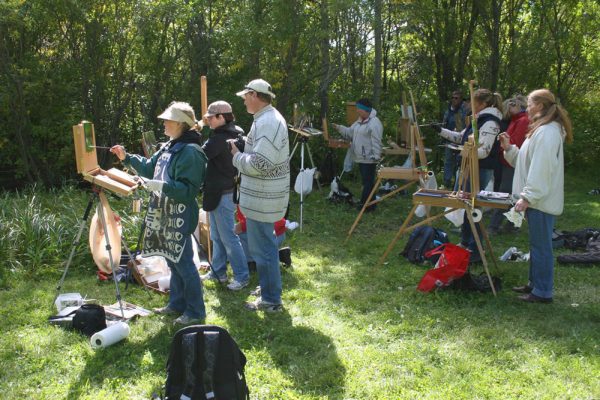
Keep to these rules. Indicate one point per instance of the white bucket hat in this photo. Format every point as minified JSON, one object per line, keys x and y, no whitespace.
{"x":179,"y":111}
{"x":259,"y":86}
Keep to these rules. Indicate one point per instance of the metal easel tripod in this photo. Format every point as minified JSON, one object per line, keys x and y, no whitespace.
{"x":302,"y":139}
{"x":95,"y":197}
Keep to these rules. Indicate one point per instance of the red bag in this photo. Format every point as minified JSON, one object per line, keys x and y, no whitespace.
{"x":452,"y":264}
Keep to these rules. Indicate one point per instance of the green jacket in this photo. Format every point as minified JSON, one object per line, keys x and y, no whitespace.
{"x":186,"y":170}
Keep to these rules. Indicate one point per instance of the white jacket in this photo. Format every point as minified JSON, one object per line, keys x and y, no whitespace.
{"x":265,"y":168}
{"x":487,"y":133}
{"x":366,"y":139}
{"x":539,"y":168}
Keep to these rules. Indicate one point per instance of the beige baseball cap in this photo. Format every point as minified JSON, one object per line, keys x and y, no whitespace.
{"x":259,"y":86}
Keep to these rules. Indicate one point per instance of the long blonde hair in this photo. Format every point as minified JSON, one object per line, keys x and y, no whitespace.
{"x":551,"y":111}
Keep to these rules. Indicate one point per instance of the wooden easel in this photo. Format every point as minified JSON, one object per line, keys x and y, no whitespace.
{"x":452,"y":201}
{"x":413,"y":174}
{"x":203,"y":109}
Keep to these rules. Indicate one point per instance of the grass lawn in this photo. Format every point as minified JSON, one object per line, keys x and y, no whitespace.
{"x":350,"y":329}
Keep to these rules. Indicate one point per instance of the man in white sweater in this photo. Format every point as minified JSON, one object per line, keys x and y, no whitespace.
{"x":264,"y":188}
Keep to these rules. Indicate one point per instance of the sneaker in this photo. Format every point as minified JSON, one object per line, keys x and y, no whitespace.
{"x":166,"y":310}
{"x":285,"y":256}
{"x":260,"y":304}
{"x":256,"y":292}
{"x":236,"y":285}
{"x":212,"y":277}
{"x":185,"y":320}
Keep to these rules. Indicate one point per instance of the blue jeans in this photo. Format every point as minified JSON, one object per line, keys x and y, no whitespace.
{"x":263,"y":248}
{"x":226,"y":244}
{"x":466,"y":234}
{"x":244,"y":239}
{"x":367,"y":174}
{"x":541,"y":259}
{"x":449,"y":166}
{"x":185,"y":293}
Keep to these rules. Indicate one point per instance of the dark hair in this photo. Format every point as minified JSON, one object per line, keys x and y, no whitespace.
{"x":229,"y":117}
{"x":365,"y":102}
{"x":458,"y":94}
{"x":266,"y":98}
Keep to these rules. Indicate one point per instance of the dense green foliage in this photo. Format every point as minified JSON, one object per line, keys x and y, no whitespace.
{"x":119,"y":63}
{"x":350,"y":329}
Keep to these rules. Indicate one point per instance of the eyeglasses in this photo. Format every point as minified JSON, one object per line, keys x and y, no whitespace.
{"x":455,"y":98}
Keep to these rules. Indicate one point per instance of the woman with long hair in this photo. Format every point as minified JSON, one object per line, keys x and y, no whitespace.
{"x":539,"y":183}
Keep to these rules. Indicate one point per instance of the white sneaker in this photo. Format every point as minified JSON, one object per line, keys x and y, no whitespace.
{"x":212,"y":277}
{"x":256,"y":292}
{"x":235,"y":285}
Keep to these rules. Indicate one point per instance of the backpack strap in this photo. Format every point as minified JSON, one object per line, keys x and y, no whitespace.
{"x":211,"y":353}
{"x":188,"y":349}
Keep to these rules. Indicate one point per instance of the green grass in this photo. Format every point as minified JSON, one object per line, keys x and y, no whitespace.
{"x":350,"y":329}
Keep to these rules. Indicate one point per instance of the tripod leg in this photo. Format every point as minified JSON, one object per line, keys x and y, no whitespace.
{"x":102,"y":218}
{"x":75,"y":243}
{"x":312,"y":163}
{"x":301,"y":184}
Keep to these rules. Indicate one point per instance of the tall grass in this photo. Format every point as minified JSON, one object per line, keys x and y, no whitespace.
{"x":36,"y":230}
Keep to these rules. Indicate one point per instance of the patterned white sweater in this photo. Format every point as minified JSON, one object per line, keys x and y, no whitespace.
{"x":265,"y":168}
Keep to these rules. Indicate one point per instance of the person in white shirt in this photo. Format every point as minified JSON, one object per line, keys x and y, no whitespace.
{"x":539,"y":183}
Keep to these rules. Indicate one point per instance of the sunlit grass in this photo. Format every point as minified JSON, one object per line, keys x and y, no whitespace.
{"x":350,"y":330}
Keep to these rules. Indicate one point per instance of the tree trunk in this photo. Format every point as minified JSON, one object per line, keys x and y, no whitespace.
{"x":378,"y":50}
{"x":325,"y":60}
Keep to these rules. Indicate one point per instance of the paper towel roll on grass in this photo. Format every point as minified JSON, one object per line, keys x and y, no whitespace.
{"x":110,"y":335}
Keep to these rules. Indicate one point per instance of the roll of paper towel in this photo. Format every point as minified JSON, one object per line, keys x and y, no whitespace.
{"x":110,"y":335}
{"x":477,"y":214}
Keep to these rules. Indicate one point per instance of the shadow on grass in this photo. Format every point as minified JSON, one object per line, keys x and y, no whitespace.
{"x":124,"y":361}
{"x":351,"y":279}
{"x":290,"y":347}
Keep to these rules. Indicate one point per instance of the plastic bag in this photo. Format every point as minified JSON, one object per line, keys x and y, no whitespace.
{"x":452,"y":264}
{"x":304,"y":181}
{"x":456,"y":217}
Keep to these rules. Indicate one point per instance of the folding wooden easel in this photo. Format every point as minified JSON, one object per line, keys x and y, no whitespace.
{"x":203,"y":109}
{"x":465,"y":198}
{"x":412,"y":174}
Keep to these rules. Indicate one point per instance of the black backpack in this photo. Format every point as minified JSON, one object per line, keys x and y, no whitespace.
{"x":205,"y":363}
{"x":89,"y":319}
{"x":420,"y":241}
